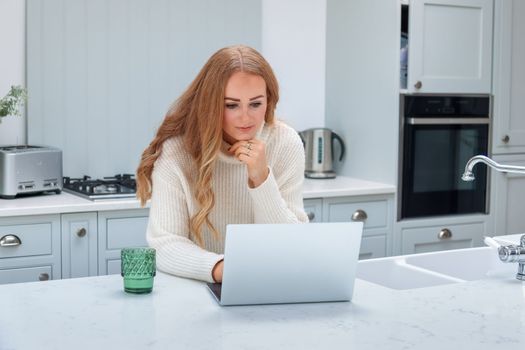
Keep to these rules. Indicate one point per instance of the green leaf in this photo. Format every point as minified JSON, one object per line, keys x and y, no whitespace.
{"x":11,"y":103}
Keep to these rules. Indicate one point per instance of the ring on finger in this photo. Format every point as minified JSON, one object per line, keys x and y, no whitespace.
{"x":249,"y":146}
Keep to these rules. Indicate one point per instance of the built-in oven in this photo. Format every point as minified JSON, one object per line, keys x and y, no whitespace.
{"x":439,"y":134}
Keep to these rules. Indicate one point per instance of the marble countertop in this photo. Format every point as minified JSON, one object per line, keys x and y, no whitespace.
{"x":344,"y":186}
{"x":91,"y":313}
{"x":69,"y":203}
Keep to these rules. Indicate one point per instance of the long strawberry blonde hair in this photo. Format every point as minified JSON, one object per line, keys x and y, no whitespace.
{"x":197,"y":116}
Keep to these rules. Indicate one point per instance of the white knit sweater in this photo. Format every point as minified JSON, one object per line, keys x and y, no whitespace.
{"x":277,"y":200}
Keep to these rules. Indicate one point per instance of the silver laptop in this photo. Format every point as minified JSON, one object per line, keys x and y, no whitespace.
{"x":289,"y":263}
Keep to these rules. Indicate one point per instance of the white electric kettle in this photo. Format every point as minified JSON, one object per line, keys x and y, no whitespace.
{"x":319,"y":151}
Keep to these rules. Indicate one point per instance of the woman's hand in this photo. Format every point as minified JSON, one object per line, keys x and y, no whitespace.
{"x":253,"y":154}
{"x":217,"y":271}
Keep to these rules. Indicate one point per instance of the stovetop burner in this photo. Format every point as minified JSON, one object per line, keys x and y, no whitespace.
{"x":118,"y":186}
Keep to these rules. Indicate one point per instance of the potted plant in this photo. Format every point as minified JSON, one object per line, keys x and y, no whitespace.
{"x":10,"y":104}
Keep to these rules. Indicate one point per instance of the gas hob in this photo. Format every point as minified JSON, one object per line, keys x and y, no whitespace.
{"x":118,"y":186}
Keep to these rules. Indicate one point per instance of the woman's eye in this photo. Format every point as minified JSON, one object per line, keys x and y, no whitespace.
{"x":255,"y":104}
{"x":231,"y":105}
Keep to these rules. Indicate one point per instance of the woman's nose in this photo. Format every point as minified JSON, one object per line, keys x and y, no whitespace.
{"x":245,"y":113}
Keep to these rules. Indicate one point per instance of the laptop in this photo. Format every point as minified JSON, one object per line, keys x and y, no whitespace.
{"x":289,"y":263}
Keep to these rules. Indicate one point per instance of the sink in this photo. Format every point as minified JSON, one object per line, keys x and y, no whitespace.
{"x":395,"y":273}
{"x":435,"y":268}
{"x":467,"y":264}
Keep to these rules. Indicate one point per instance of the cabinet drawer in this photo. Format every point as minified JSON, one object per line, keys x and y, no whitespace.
{"x":372,"y":247}
{"x":27,"y":274}
{"x":35,"y":239}
{"x":434,"y":238}
{"x":376,"y":212}
{"x":126,"y":232}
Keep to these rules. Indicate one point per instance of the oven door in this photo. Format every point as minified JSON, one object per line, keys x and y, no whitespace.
{"x":434,"y":155}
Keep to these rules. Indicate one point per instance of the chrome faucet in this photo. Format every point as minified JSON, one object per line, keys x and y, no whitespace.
{"x":514,"y":253}
{"x":469,"y":176}
{"x":510,"y":253}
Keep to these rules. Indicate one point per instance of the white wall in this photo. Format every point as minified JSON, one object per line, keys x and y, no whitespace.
{"x":293,"y":41}
{"x":362,"y":85}
{"x":12,"y":65}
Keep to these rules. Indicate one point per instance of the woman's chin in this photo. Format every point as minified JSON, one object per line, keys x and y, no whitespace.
{"x":240,"y":137}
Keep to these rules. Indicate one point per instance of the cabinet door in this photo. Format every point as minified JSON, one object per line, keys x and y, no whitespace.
{"x":314,"y":209}
{"x":119,"y":229}
{"x":443,"y":237}
{"x":509,"y":198}
{"x":79,"y":245}
{"x":509,"y":77}
{"x":450,"y":46}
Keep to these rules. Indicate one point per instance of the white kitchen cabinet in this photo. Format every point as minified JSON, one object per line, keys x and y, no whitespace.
{"x":373,"y":247}
{"x":314,"y":209}
{"x":509,"y":77}
{"x":508,"y":197}
{"x":117,"y":230}
{"x":79,"y":245}
{"x":373,"y":213}
{"x":376,"y":213}
{"x":69,"y":245}
{"x":450,"y":46}
{"x":30,"y":248}
{"x":428,"y":235}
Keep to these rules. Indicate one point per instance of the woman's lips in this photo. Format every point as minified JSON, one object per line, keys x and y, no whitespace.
{"x":245,"y":129}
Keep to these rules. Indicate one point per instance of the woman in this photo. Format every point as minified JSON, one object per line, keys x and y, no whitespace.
{"x":219,"y":157}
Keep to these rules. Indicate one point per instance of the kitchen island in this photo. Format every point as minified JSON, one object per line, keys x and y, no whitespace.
{"x":95,"y":313}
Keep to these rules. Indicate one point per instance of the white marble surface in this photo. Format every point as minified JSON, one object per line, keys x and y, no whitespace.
{"x":61,"y":203}
{"x":95,"y":313}
{"x":69,"y":203}
{"x":344,"y":186}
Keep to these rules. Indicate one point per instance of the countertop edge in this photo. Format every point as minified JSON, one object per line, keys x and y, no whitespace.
{"x":66,"y":203}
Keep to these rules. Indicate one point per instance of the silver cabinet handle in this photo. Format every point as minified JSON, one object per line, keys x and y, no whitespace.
{"x":10,"y":241}
{"x":311,"y":215}
{"x":81,"y":232}
{"x":43,"y":276}
{"x":418,"y":85}
{"x":359,"y":215}
{"x":505,"y":139}
{"x":445,"y":234}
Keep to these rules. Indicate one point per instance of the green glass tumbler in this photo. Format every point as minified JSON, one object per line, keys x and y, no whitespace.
{"x":138,"y":268}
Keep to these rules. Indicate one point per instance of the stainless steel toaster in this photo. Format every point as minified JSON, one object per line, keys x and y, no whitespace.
{"x":29,"y":169}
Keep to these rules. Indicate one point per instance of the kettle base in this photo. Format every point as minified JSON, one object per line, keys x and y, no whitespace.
{"x":319,"y":175}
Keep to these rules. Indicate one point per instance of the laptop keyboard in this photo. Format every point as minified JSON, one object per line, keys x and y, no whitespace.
{"x":216,"y":289}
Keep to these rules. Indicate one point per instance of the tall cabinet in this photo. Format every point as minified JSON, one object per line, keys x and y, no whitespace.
{"x":508,"y":147}
{"x":509,"y":77}
{"x":448,"y":50}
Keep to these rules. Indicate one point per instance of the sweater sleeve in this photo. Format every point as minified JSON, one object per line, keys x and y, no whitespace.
{"x":279,"y":198}
{"x":168,"y":233}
